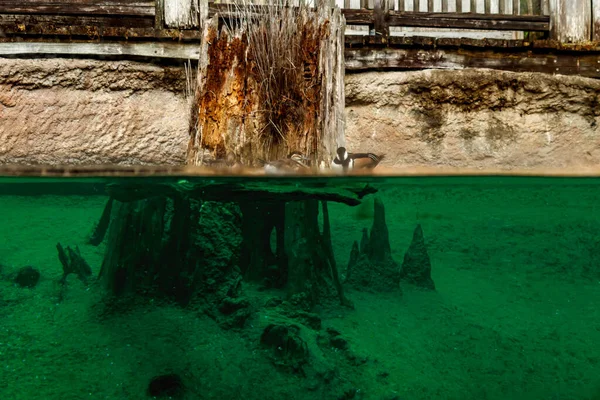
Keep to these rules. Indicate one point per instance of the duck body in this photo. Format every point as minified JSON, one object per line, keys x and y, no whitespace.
{"x":345,"y":161}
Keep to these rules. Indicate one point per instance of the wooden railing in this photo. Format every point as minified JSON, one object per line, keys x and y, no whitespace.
{"x":565,"y":20}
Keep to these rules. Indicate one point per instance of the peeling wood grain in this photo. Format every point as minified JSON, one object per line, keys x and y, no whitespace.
{"x":572,"y":21}
{"x":182,"y":13}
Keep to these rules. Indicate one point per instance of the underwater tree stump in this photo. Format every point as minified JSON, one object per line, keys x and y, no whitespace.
{"x":416,"y":267}
{"x":312,"y":271}
{"x":371,"y":266}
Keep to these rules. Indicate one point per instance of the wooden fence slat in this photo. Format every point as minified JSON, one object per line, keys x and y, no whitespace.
{"x":546,"y":7}
{"x":415,"y":5}
{"x":364,"y":4}
{"x":444,"y":5}
{"x":430,"y":6}
{"x":380,"y":11}
{"x":459,"y":7}
{"x":502,"y":7}
{"x":529,"y":7}
{"x":515,"y":7}
{"x":487,"y":6}
{"x":473,"y":7}
{"x":401,"y":5}
{"x":346,"y":3}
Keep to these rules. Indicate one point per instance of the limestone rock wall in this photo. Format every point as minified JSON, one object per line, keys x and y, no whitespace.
{"x":474,"y":118}
{"x":121,"y":112}
{"x":56,"y":111}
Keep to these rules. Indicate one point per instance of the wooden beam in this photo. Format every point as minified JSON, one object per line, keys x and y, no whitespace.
{"x":420,"y":58}
{"x":145,"y":50}
{"x":18,"y":7}
{"x":23,"y":23}
{"x":10,"y":31}
{"x":454,"y":20}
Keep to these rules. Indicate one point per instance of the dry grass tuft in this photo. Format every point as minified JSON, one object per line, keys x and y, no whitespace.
{"x":277,"y":32}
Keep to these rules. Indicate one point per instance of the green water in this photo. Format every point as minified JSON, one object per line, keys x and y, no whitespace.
{"x":515,"y":261}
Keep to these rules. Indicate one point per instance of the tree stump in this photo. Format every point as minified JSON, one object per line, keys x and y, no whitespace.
{"x":416,"y":268}
{"x":270,"y":84}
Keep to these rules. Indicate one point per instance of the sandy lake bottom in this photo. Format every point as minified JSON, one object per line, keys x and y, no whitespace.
{"x":515,"y":314}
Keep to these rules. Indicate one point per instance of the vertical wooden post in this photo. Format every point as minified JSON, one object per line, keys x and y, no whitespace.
{"x":529,"y":7}
{"x":459,"y":7}
{"x":381,"y":11}
{"x":571,"y":21}
{"x":595,"y":19}
{"x":502,"y":7}
{"x":444,"y":5}
{"x":159,"y":14}
{"x":429,"y":5}
{"x":473,"y":7}
{"x":515,"y":7}
{"x":401,"y":5}
{"x":487,"y":7}
{"x":416,"y":5}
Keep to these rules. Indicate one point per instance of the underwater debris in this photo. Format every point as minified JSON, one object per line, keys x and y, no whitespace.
{"x":27,"y":277}
{"x":100,"y":230}
{"x":371,"y":266}
{"x":416,"y":268}
{"x":73,"y":263}
{"x":170,"y":385}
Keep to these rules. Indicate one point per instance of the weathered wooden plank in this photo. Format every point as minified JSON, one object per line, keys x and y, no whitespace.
{"x":430,"y":6}
{"x":25,"y":23}
{"x":473,"y":6}
{"x":419,"y":58}
{"x":10,"y":30}
{"x":572,"y":21}
{"x":515,"y":7}
{"x":401,"y":5}
{"x":444,"y":5}
{"x":416,"y":5}
{"x":529,"y":7}
{"x":487,"y":6}
{"x":181,"y":14}
{"x":147,"y":50}
{"x":502,"y":7}
{"x":459,"y":6}
{"x":596,"y":20}
{"x":34,"y":3}
{"x":16,"y":7}
{"x":458,"y":21}
{"x":361,"y":14}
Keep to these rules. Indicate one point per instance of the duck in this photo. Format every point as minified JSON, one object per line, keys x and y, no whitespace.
{"x":346,"y":161}
{"x":294,"y":162}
